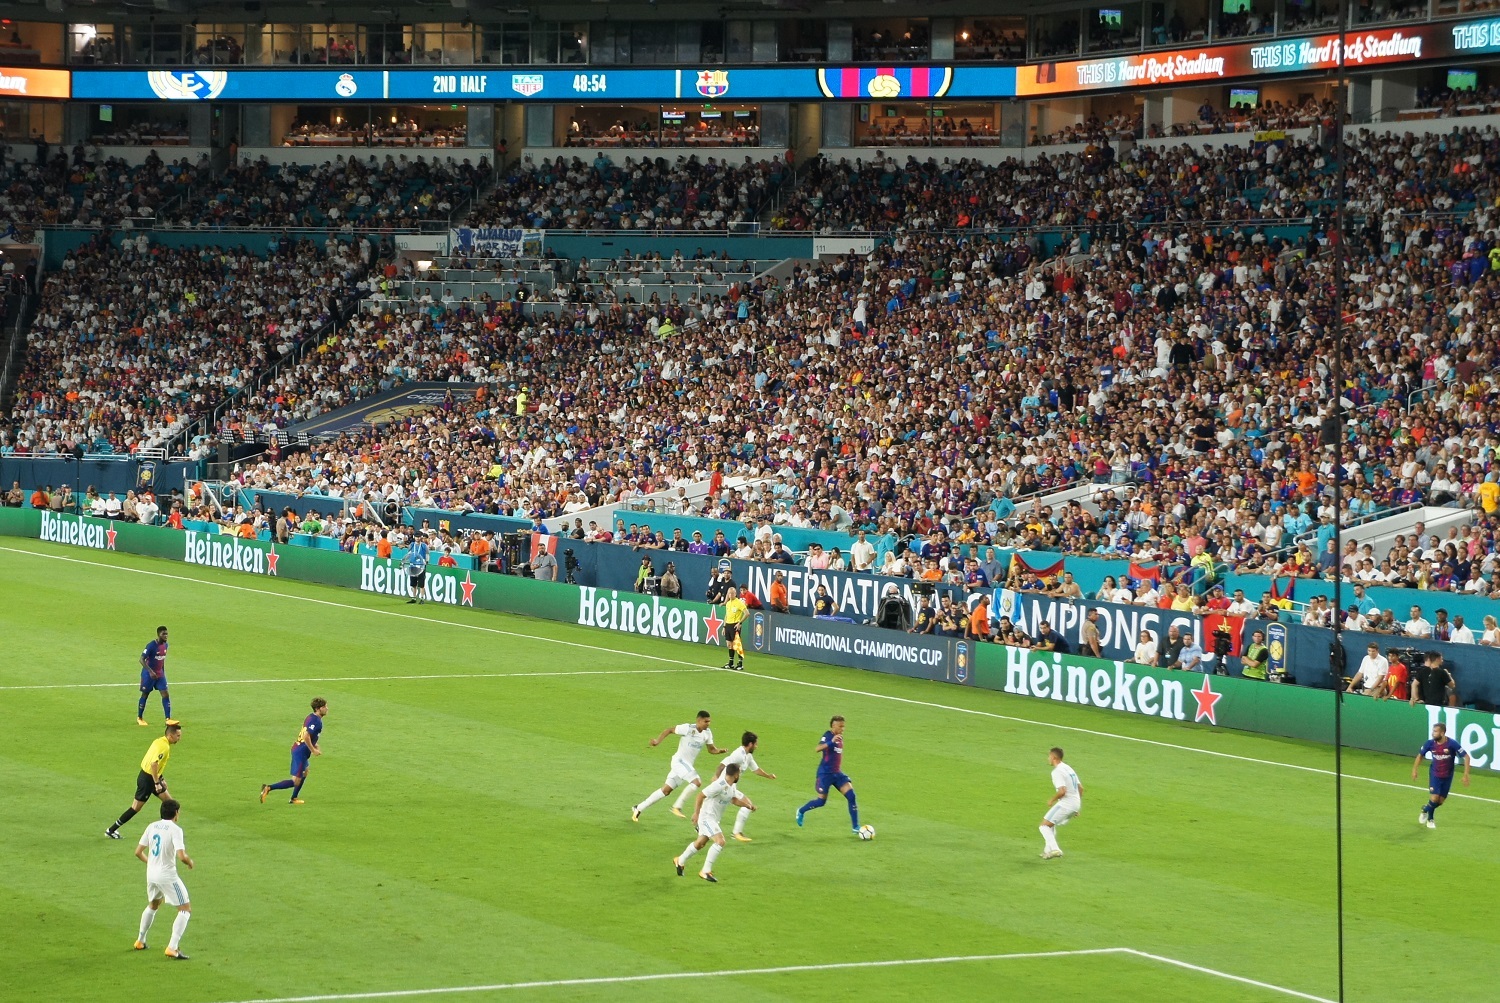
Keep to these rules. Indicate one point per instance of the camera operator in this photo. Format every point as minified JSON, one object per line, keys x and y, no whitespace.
{"x":645,"y":573}
{"x":894,"y":612}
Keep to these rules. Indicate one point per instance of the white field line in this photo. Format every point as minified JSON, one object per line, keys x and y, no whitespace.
{"x":752,"y":675}
{"x":781,"y":970}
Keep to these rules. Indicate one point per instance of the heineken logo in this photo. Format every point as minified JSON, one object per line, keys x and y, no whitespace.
{"x":77,"y":532}
{"x":646,"y":615}
{"x":228,"y":553}
{"x":389,"y":578}
{"x":1049,"y":676}
{"x":1478,"y":733}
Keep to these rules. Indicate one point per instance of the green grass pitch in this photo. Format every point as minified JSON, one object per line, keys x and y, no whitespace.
{"x":471,"y":828}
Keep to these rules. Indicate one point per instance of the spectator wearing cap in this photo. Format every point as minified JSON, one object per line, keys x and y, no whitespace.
{"x":698,"y":546}
{"x":1354,"y":619}
{"x":646,"y":571}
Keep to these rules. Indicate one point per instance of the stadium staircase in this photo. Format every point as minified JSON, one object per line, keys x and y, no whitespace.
{"x":15,"y":320}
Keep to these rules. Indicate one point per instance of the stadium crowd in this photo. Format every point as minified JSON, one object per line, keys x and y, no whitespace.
{"x":930,"y":386}
{"x":642,"y":193}
{"x":132,"y":341}
{"x":82,"y":189}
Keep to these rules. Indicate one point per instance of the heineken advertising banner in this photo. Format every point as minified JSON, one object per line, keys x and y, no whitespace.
{"x":1114,"y":685}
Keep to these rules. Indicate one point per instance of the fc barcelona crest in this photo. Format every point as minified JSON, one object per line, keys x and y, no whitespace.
{"x":713,"y":83}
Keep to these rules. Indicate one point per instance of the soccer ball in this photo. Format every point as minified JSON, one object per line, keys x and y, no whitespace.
{"x":867,"y":832}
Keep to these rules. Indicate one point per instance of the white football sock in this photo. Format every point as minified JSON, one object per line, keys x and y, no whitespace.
{"x":656,"y":796}
{"x":146,"y":918}
{"x":1049,"y":836}
{"x":178,"y":926}
{"x":682,"y":795}
{"x":713,"y":854}
{"x":691,"y":849}
{"x":740,"y":820}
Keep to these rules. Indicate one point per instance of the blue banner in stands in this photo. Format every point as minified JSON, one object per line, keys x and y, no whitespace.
{"x":406,"y":401}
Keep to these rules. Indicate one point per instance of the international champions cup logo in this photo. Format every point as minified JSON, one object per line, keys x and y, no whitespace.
{"x":758,"y":632}
{"x":187,"y":85}
{"x":961,"y":662}
{"x":713,"y":83}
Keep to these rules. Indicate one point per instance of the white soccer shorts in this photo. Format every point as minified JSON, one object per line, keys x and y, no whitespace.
{"x":1062,"y":813}
{"x":709,"y":829}
{"x":681,"y":775}
{"x":172,"y":890}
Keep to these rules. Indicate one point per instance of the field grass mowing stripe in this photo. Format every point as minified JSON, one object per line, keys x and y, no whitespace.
{"x":371,"y":679}
{"x":747,"y":674}
{"x":779,"y":970}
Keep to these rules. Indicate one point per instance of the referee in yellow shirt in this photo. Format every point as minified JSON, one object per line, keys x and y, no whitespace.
{"x":735,"y":612}
{"x":151,"y":781}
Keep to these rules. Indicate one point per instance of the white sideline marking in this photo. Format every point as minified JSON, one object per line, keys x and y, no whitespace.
{"x":1225,"y":975}
{"x":781,"y":970}
{"x":752,"y":675}
{"x":364,"y":679}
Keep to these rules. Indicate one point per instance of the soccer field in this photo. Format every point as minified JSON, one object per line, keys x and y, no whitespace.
{"x":468,"y":829}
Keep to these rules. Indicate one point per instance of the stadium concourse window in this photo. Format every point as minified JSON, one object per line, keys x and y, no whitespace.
{"x":913,"y":123}
{"x":1176,"y":22}
{"x":1310,"y":15}
{"x":1385,"y":11}
{"x":618,"y":43}
{"x":1055,"y":35}
{"x":711,"y":125}
{"x":137,"y":125}
{"x":892,"y":40}
{"x":1112,"y":29}
{"x":27,"y":43}
{"x":25,"y":120}
{"x":990,"y":38}
{"x":1243,"y":18}
{"x":424,"y":126}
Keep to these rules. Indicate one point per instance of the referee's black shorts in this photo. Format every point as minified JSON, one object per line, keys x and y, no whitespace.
{"x":145,"y":787}
{"x":731,"y":631}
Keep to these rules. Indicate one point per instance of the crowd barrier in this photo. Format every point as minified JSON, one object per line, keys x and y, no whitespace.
{"x":1190,"y":699}
{"x":117,"y":474}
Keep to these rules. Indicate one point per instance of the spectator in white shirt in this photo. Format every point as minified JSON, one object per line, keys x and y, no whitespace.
{"x":1461,"y":634}
{"x":1417,"y":626}
{"x":113,"y":506}
{"x":1372,"y":672}
{"x":1491,"y":636}
{"x":862,"y":554}
{"x":1145,"y":649}
{"x":1355,"y":620}
{"x":1145,"y":595}
{"x":146,"y":509}
{"x":1240,"y":606}
{"x":97,"y":508}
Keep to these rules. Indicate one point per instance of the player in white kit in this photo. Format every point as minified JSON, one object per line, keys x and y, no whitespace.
{"x":161,"y":847}
{"x":691,"y":740}
{"x":1066,"y":803}
{"x":707,"y":814}
{"x":744,"y":758}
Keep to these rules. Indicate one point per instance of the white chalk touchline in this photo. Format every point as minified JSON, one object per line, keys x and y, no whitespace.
{"x":746,"y":674}
{"x":364,"y":679}
{"x":781,"y":970}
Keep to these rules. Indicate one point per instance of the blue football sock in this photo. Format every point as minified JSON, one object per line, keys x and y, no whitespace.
{"x":283,"y":785}
{"x":297,"y":791}
{"x":853,"y":807}
{"x":166,"y":705}
{"x":814,"y":803}
{"x":1432,"y":807}
{"x":140,"y":708}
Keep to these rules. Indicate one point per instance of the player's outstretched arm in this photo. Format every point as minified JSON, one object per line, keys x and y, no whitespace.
{"x":768,"y":776}
{"x":714,"y":750}
{"x":743,"y":802}
{"x":663,"y":736}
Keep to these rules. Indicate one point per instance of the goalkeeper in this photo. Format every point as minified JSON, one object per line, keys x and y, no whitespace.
{"x":151,"y":780}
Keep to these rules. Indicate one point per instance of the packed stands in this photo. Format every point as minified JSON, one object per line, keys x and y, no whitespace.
{"x":642,"y":193}
{"x":133,"y":341}
{"x":394,"y":191}
{"x":109,"y":193}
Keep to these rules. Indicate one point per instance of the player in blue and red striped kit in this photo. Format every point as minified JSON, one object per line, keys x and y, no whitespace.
{"x":154,"y":676}
{"x":831,"y":775}
{"x":303,"y":749}
{"x":1445,"y":752}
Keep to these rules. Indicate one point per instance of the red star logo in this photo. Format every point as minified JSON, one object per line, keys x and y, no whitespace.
{"x":1206,"y":698}
{"x":271,"y":560}
{"x":468,"y":586}
{"x":111,"y":534}
{"x":711,"y":623}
